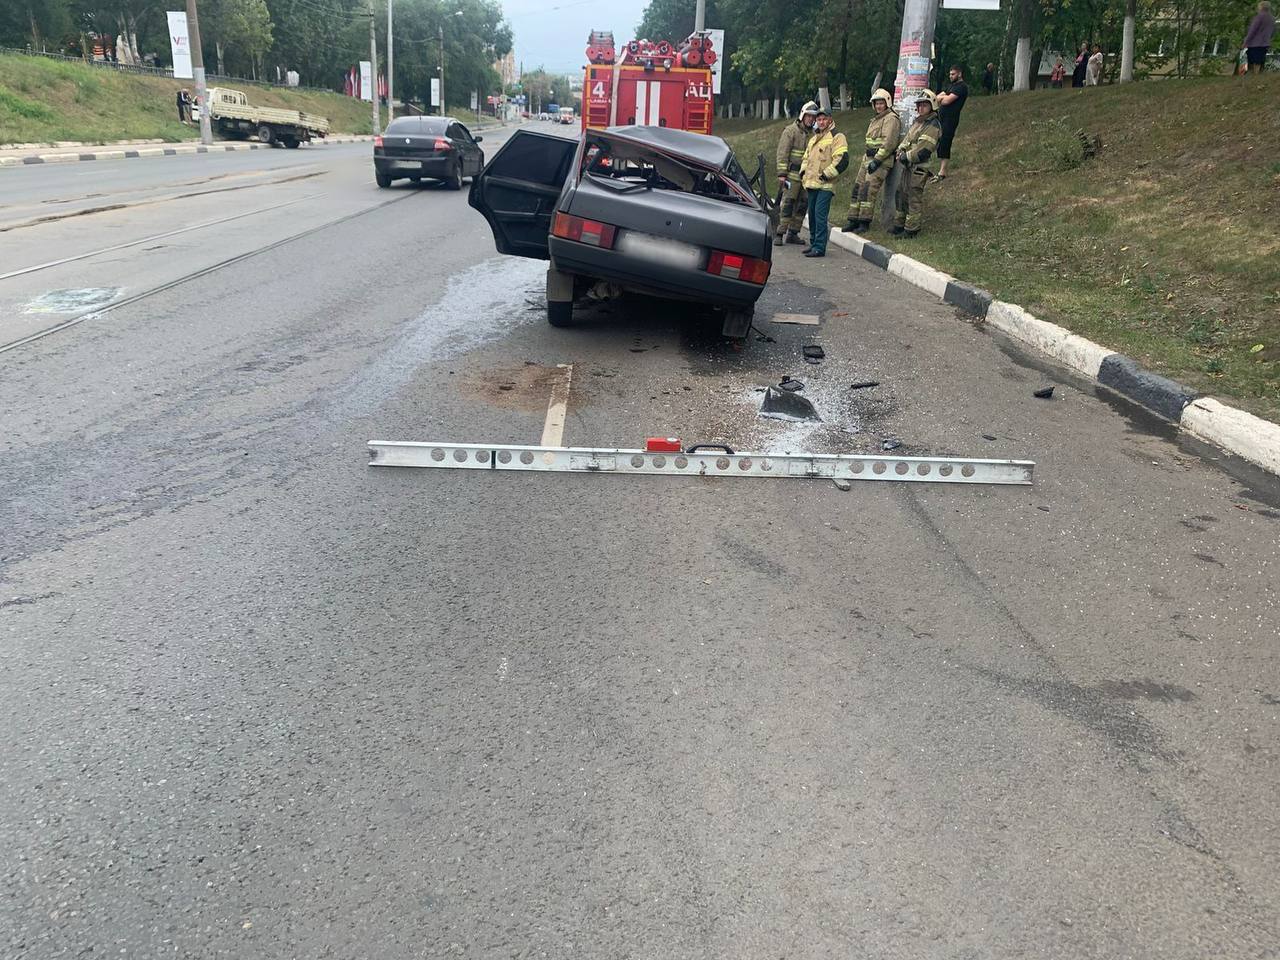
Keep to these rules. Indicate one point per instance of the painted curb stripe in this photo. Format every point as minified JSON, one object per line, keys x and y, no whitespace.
{"x":1160,"y":394}
{"x":972,"y":300}
{"x":1243,"y":434}
{"x":877,"y":254}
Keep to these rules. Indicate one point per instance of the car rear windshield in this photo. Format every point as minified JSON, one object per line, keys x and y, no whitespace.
{"x":625,"y":166}
{"x":428,"y":126}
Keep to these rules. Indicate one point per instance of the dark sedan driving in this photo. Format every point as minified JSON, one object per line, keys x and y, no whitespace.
{"x":435,"y":148}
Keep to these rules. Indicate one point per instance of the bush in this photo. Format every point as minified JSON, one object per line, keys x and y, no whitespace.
{"x":1052,"y":147}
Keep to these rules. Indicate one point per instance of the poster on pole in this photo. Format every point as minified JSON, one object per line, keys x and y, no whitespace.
{"x":971,"y":4}
{"x":435,"y":91}
{"x":366,"y":80}
{"x":717,"y":44}
{"x":475,"y":101}
{"x":179,"y":44}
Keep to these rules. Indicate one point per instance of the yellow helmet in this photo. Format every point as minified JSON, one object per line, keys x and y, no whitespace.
{"x":883,"y":94}
{"x":929,"y":97}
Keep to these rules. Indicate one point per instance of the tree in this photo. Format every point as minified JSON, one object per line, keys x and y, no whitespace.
{"x":241,"y":28}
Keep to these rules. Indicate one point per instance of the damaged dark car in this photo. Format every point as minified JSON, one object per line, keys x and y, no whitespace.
{"x":647,"y":210}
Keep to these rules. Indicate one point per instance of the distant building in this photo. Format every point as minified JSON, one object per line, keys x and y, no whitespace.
{"x":507,"y":70}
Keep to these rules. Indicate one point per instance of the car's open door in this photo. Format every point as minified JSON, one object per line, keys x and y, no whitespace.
{"x":518,"y":189}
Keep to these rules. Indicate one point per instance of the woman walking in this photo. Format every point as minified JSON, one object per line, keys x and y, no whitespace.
{"x":1082,"y":65}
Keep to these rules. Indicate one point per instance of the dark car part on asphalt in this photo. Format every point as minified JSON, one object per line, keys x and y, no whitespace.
{"x":845,"y":466}
{"x":864,"y":384}
{"x":1044,"y":393}
{"x":651,"y":210}
{"x":783,"y":405}
{"x":436,"y":148}
{"x":891,"y":445}
{"x":813,"y":351}
{"x":791,"y":384}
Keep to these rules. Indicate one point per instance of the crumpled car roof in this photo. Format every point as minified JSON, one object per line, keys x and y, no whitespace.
{"x":701,"y":147}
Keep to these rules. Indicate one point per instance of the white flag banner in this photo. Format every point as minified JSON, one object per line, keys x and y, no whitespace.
{"x":366,"y":80}
{"x":971,"y":4}
{"x":717,"y":44}
{"x":180,"y":44}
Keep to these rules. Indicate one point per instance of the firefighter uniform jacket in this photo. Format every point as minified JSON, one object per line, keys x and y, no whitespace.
{"x":825,"y":158}
{"x":921,"y":141}
{"x":791,"y":148}
{"x":884,"y":133}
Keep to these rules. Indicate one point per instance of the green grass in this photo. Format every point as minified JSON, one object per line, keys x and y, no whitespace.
{"x":1164,"y":246}
{"x":45,"y":100}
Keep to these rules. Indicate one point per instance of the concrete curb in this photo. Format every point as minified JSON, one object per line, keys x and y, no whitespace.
{"x":175,"y":150}
{"x":1235,"y":431}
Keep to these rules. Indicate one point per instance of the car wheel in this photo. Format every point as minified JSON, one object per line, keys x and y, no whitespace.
{"x":291,"y":143}
{"x":265,"y":134}
{"x":455,"y":180}
{"x":382,"y":179}
{"x":560,"y":312}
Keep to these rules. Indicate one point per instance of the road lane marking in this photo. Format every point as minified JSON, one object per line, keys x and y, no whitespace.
{"x":158,"y":236}
{"x":553,"y":426}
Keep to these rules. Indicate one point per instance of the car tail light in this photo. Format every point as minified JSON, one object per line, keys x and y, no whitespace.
{"x":377,"y":141}
{"x":737,"y":267}
{"x":584,"y":231}
{"x":443,"y":144}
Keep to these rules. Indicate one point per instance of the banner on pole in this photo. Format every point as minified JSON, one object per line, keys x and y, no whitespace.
{"x":435,"y":91}
{"x":179,"y":44}
{"x":475,"y":101}
{"x":971,"y":4}
{"x":366,"y":80}
{"x":717,"y":44}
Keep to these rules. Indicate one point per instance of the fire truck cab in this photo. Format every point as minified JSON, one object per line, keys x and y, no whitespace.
{"x":656,"y":84}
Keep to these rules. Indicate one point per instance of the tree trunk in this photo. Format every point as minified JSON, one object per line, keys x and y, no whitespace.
{"x":824,"y":91}
{"x":777,"y":104}
{"x":1022,"y":56}
{"x":217,"y":49}
{"x":1126,"y":50}
{"x":844,"y":96}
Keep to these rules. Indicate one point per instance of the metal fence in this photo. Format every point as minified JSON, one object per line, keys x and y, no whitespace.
{"x":164,"y":72}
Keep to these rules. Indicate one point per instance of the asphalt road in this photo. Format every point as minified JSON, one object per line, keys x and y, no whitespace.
{"x":259,"y":699}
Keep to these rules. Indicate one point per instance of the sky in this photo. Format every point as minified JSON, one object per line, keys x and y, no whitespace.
{"x":553,"y":33}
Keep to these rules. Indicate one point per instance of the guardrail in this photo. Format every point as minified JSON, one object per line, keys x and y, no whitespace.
{"x":163,"y":72}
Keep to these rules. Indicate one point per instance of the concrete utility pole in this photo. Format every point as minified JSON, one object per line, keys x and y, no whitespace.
{"x":391,"y":63}
{"x":700,"y":20}
{"x":442,"y":69}
{"x":373,"y":72}
{"x":197,"y":70}
{"x":914,"y":53}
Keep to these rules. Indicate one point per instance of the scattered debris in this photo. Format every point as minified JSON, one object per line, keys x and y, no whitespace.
{"x":840,"y":313}
{"x":782,"y":405}
{"x":638,"y":349}
{"x":864,"y":384}
{"x":841,"y":484}
{"x":1041,"y":506}
{"x":806,"y":318}
{"x":1044,"y":393}
{"x":790,"y":384}
{"x":761,"y":336}
{"x":987,"y":436}
{"x":891,"y":445}
{"x":813,"y":353}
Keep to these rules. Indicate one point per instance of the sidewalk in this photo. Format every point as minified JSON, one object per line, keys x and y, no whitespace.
{"x":26,"y":154}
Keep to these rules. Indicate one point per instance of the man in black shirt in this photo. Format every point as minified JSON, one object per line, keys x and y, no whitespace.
{"x":949,"y":106}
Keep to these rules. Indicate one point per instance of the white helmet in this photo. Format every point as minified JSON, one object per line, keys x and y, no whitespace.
{"x":885,"y":95}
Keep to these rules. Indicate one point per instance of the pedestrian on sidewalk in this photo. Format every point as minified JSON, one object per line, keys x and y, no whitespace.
{"x":1094,"y":75}
{"x":1059,"y":71}
{"x":825,"y":158}
{"x":950,"y":103}
{"x":914,"y":153}
{"x":1257,"y":39}
{"x":1081,"y":66}
{"x":791,"y":195}
{"x":884,"y":133}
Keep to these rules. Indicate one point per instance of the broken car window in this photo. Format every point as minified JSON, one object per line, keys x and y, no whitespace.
{"x":625,"y":166}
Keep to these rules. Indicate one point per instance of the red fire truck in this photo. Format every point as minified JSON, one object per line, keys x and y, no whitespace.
{"x":653,"y":83}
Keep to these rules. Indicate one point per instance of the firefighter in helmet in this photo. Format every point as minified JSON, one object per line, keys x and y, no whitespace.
{"x":914,"y":153}
{"x":884,"y":132}
{"x":790,"y":190}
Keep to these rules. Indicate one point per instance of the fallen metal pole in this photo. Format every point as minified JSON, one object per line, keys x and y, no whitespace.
{"x":720,"y":462}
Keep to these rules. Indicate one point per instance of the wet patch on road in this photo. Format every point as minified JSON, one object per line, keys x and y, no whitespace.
{"x":72,"y":300}
{"x":525,"y":387}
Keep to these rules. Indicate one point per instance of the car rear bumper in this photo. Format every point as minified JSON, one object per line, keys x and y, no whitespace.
{"x":441,"y":167}
{"x":659,"y":280}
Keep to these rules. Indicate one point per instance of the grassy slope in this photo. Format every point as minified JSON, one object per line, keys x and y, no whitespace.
{"x":1166,"y":246}
{"x":46,"y":100}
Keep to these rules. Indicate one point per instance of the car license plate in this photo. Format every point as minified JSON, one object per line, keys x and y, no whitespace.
{"x":406,"y":165}
{"x":663,"y":250}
